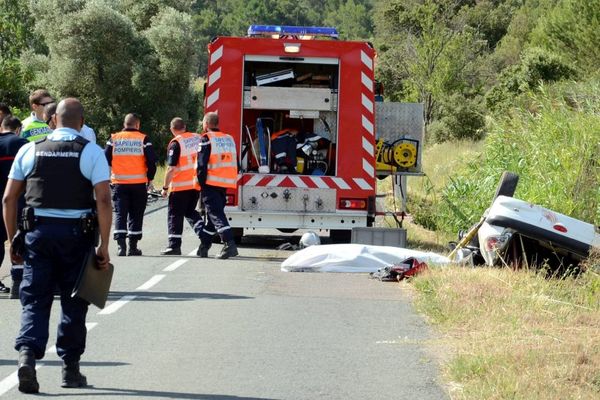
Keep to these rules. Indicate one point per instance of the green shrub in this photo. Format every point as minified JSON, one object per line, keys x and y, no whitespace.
{"x":423,"y":213}
{"x":537,"y":66}
{"x":460,"y":117}
{"x":551,"y":140}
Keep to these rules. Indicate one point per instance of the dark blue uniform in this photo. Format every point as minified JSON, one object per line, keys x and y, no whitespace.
{"x":10,"y":143}
{"x":59,"y":172}
{"x":214,"y":200}
{"x":181,"y":204}
{"x":130,"y":199}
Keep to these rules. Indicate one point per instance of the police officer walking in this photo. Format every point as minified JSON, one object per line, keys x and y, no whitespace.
{"x":181,"y":184}
{"x":217,"y":171}
{"x":61,"y":175}
{"x":133,"y":161}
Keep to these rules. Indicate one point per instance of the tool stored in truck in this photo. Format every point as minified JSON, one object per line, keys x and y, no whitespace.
{"x":301,"y":106}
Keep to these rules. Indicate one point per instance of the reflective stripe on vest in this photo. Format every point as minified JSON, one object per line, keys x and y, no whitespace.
{"x":128,"y":177}
{"x":184,"y":176}
{"x":225,"y":182}
{"x":35,"y":130}
{"x":182,"y":184}
{"x":222,"y":163}
{"x":128,"y":160}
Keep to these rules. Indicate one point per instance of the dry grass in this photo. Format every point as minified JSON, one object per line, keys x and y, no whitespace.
{"x":515,"y":335}
{"x":159,"y":178}
{"x":440,"y":160}
{"x":422,"y":239}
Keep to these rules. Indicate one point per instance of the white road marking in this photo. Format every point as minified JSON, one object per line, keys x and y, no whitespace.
{"x":90,"y":325}
{"x":151,"y":282}
{"x":177,"y":264}
{"x":9,"y":382}
{"x":113,"y":307}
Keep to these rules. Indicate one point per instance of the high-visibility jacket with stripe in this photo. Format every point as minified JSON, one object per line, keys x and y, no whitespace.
{"x":128,"y":160}
{"x":34,"y":129}
{"x":184,"y":176}
{"x":222,"y":163}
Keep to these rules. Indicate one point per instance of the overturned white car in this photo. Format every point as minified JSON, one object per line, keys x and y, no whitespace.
{"x":517,"y":233}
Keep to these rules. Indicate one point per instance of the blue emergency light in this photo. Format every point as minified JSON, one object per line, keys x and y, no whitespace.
{"x":281,"y":30}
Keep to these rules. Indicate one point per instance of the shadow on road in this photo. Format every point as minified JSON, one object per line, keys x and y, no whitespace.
{"x":58,"y":363}
{"x":145,"y":394}
{"x":175,"y":296}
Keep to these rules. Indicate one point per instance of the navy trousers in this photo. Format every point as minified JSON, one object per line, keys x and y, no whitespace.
{"x":215,"y":222}
{"x":182,"y":204}
{"x":130,"y":204}
{"x":54,"y":256}
{"x":16,"y":271}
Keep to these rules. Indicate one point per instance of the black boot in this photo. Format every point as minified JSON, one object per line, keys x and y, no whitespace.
{"x":14,"y":290}
{"x":171,"y":251}
{"x":121,"y":247}
{"x":133,"y":249}
{"x":26,"y":371}
{"x":71,"y":377}
{"x":202,"y":251}
{"x":228,"y":250}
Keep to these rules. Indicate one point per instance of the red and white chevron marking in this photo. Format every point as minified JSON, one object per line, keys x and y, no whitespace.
{"x":368,"y":115}
{"x":304,"y":181}
{"x":212,"y":89}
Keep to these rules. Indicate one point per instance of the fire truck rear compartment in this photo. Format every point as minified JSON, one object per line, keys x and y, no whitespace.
{"x":296,"y":94}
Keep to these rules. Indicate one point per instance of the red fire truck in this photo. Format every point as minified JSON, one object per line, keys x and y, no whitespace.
{"x":301,"y":107}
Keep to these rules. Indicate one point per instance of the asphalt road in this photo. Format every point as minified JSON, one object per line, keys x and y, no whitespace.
{"x":190,"y":328}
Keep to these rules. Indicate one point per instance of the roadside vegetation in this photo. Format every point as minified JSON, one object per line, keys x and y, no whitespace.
{"x":550,"y":138}
{"x":514,"y":334}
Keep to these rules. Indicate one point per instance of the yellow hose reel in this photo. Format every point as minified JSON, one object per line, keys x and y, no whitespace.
{"x":401,"y":154}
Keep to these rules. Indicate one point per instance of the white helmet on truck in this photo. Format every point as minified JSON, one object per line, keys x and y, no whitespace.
{"x":309,"y":239}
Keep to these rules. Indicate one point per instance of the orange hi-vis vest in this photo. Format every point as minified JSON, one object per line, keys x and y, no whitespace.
{"x":128,"y":160}
{"x":184,"y":177}
{"x":222,"y":163}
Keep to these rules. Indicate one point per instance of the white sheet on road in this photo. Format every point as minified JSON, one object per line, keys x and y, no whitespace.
{"x":353,"y":258}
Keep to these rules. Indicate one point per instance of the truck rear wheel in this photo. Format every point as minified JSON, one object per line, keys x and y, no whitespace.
{"x":238,"y":234}
{"x":287,"y":230}
{"x":340,"y":235}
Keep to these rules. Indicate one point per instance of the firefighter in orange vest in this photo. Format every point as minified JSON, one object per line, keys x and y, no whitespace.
{"x":133,"y":165}
{"x":181,"y":184}
{"x":217,"y":171}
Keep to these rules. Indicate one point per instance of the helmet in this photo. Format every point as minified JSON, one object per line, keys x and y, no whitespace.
{"x":309,"y":239}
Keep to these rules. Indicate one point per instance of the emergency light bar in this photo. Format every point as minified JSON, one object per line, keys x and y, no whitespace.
{"x":297,"y":31}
